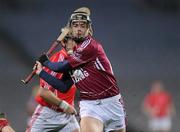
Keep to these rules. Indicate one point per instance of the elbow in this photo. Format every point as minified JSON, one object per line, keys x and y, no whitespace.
{"x":59,"y":69}
{"x":63,"y":89}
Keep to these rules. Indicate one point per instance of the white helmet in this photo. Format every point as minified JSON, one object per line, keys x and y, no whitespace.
{"x":81,"y":14}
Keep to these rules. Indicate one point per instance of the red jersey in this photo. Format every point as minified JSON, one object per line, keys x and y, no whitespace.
{"x":69,"y":96}
{"x":93,"y":75}
{"x":159,"y":103}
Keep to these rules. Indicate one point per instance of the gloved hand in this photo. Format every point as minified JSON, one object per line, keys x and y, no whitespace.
{"x":66,"y":38}
{"x":38,"y":67}
{"x":43,"y":58}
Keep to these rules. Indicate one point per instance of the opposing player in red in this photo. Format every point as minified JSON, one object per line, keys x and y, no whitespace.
{"x":159,"y":108}
{"x":55,"y":111}
{"x":4,"y":124}
{"x":101,"y":107}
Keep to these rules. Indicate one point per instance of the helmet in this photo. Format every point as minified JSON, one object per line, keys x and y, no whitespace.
{"x":81,"y":14}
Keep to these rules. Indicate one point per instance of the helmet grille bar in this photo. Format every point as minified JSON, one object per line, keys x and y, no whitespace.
{"x":80,"y":17}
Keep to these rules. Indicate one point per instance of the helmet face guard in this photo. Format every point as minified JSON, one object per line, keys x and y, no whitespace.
{"x":79,"y":16}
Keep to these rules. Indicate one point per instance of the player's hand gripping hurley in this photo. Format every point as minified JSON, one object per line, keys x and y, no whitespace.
{"x":64,"y":32}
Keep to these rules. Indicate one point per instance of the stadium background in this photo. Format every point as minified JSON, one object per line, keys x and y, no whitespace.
{"x":141,"y":39}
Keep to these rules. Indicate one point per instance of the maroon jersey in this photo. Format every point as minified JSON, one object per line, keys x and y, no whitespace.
{"x":93,"y":73}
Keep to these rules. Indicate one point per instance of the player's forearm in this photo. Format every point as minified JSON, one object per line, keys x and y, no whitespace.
{"x":62,"y":86}
{"x":49,"y":97}
{"x":62,"y":66}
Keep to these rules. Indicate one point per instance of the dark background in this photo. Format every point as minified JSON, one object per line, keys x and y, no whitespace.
{"x":140,"y":37}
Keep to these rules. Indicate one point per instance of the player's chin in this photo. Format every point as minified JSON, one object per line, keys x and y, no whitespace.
{"x":80,"y":35}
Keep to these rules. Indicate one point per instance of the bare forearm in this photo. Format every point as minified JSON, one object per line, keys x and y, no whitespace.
{"x":49,"y":97}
